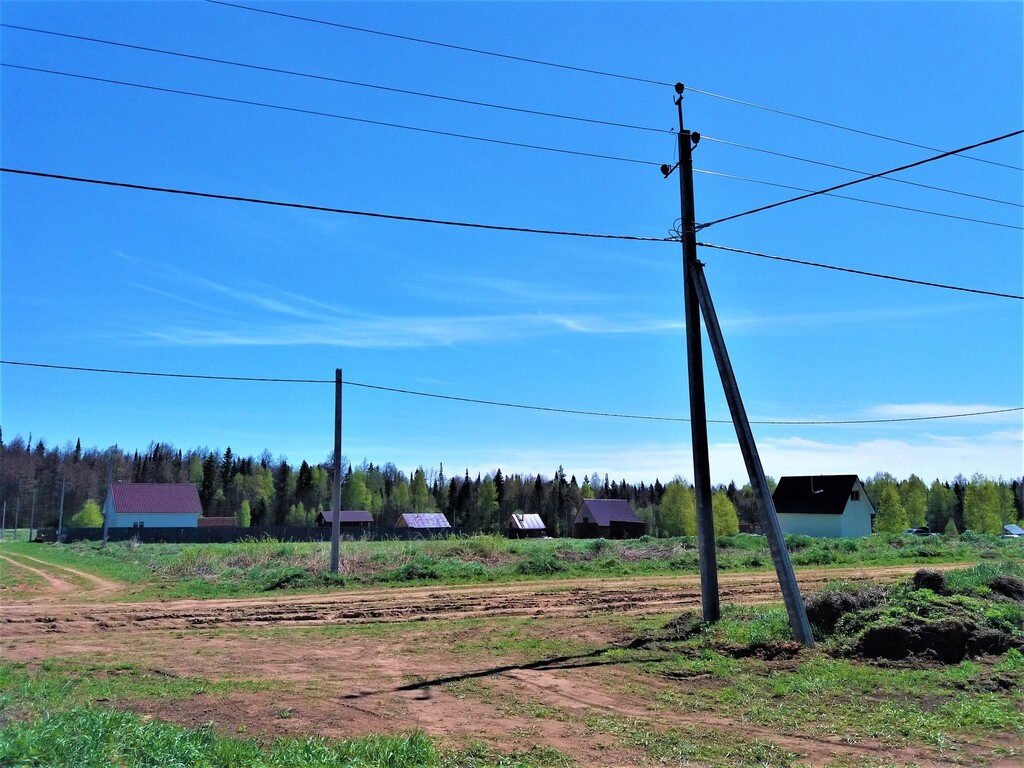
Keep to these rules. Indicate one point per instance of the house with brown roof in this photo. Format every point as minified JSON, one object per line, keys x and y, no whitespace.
{"x":152,"y":505}
{"x":607,"y":519}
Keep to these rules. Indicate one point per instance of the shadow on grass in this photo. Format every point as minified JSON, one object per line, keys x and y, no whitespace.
{"x":578,"y":661}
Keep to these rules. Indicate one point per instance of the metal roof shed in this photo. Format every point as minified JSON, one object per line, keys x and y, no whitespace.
{"x":423,"y":521}
{"x":523,"y":526}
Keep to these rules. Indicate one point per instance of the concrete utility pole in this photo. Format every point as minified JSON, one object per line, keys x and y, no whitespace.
{"x":60,"y":515}
{"x":3,"y":525}
{"x":698,"y":301}
{"x":695,"y":366}
{"x":110,"y":491}
{"x":336,"y":491}
{"x":32,"y":517}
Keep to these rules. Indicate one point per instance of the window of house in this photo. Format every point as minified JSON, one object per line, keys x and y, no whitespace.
{"x":138,"y":525}
{"x":854,"y":495}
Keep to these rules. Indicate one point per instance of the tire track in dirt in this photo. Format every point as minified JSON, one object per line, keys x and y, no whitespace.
{"x":557,"y":599}
{"x":54,"y":584}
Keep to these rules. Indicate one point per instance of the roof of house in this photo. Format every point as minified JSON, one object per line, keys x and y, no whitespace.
{"x":156,"y":498}
{"x":606,"y":511}
{"x":347,"y":516}
{"x":422,"y":520}
{"x":526,"y":522}
{"x":1013,"y":530}
{"x":216,"y":522}
{"x":813,"y":494}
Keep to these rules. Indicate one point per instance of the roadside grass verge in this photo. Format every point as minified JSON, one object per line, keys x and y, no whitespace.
{"x":255,"y":567}
{"x":47,"y":719}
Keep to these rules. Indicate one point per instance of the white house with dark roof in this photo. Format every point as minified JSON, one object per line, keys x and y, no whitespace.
{"x":152,"y":505}
{"x":823,"y":506}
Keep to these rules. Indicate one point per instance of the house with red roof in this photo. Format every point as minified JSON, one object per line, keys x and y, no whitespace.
{"x":152,"y":505}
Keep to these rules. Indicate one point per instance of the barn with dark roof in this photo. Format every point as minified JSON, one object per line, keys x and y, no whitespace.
{"x":607,"y":519}
{"x":824,"y":506}
{"x":152,"y":505}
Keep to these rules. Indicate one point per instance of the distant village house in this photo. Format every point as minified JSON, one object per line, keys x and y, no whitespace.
{"x":525,"y":526}
{"x":153,"y":505}
{"x":823,"y":506}
{"x":607,"y":519}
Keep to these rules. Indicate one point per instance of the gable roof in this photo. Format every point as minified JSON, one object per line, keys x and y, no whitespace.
{"x":348,"y":516}
{"x":526,"y":522}
{"x":422,"y":520}
{"x":606,"y":511}
{"x":814,"y":494}
{"x":156,"y":498}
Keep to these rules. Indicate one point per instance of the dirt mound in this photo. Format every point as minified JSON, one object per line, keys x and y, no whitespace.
{"x":948,"y":642}
{"x":825,"y":609}
{"x":925,"y":618}
{"x":1008,"y":586}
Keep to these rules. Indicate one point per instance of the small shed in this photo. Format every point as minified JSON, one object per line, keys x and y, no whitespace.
{"x":348,"y":519}
{"x":423,"y":521}
{"x":525,"y":526}
{"x":823,"y":506}
{"x":607,"y":519}
{"x":217,"y":522}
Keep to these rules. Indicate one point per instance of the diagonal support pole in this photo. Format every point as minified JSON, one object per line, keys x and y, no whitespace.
{"x":765,"y":506}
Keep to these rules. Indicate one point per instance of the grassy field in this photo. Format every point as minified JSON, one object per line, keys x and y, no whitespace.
{"x":256,"y":567}
{"x":549,"y":691}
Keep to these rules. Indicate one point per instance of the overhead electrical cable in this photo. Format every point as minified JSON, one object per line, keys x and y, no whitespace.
{"x":333,"y":115}
{"x":859,"y":199}
{"x":413,"y":219}
{"x":862,"y":180}
{"x":589,"y":71}
{"x":705,"y":137}
{"x":863,"y":272}
{"x":498,"y":403}
{"x":435,"y":43}
{"x":843,"y":127}
{"x":342,"y":81}
{"x":327,"y":209}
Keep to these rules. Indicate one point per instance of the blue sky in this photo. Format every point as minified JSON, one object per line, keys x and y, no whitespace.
{"x":123,"y":279}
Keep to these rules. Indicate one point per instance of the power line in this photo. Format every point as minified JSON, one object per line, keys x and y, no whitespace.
{"x":450,"y":134}
{"x":326,"y":209}
{"x":336,"y":116}
{"x":421,"y":220}
{"x":341,"y":81}
{"x":860,"y":181}
{"x":862,"y":272}
{"x":450,"y":46}
{"x":841,"y":127}
{"x":497,"y":403}
{"x":602,"y":73}
{"x":860,"y":200}
{"x":705,"y":137}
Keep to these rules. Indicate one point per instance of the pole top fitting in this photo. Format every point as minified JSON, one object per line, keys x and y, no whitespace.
{"x":680,"y":88}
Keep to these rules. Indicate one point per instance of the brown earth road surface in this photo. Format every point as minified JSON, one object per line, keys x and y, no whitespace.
{"x":577,"y":598}
{"x":388,"y":661}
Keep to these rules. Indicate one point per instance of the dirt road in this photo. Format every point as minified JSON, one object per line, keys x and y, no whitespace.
{"x":88,"y":608}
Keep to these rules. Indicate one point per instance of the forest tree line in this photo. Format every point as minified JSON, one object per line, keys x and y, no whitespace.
{"x":264,"y":491}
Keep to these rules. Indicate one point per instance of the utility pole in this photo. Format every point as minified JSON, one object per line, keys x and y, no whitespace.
{"x":109,"y":501}
{"x":698,"y":300}
{"x":336,"y":490}
{"x":32,"y":517}
{"x":3,"y":525}
{"x":60,"y":516}
{"x":695,"y":366}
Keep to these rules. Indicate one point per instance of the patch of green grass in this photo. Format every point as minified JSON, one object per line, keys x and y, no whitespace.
{"x":83,"y":737}
{"x":681,"y":745}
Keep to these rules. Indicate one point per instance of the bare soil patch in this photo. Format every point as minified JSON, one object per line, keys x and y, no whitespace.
{"x":398,"y":661}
